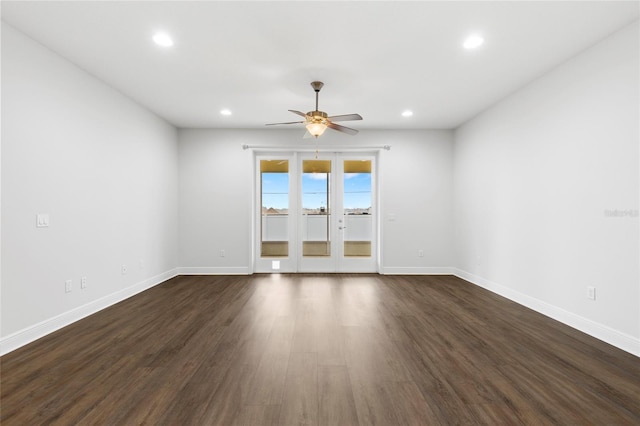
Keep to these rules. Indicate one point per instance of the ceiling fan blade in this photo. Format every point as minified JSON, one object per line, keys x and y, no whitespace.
{"x":346,"y":117}
{"x":290,"y":122}
{"x":301,"y":114}
{"x":342,"y":129}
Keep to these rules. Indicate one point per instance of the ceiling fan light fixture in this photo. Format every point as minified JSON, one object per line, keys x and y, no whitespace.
{"x":316,"y":128}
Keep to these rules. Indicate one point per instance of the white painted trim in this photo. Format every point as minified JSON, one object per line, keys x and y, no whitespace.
{"x":337,"y":148}
{"x":416,"y":270}
{"x":215,"y":270}
{"x":22,"y":337}
{"x":599,"y":331}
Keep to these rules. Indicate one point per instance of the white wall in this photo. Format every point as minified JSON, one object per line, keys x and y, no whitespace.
{"x":416,"y":181}
{"x":533,"y":178}
{"x":102,"y":167}
{"x":216,"y":180}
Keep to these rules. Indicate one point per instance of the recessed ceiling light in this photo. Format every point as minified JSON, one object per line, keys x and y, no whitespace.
{"x":225,"y":112}
{"x":163,"y":39}
{"x":473,"y":41}
{"x":407,"y":113}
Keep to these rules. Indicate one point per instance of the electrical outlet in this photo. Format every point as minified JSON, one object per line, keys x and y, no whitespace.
{"x":223,"y":253}
{"x":83,"y":282}
{"x":591,"y":293}
{"x":124,"y":269}
{"x":420,"y":253}
{"x":68,"y":286}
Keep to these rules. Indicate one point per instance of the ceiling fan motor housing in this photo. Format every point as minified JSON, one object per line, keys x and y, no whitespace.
{"x":317,"y":116}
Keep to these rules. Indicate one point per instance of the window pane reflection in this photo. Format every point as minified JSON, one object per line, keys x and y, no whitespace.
{"x":358,"y":222}
{"x":316,"y":211}
{"x":274,"y":183}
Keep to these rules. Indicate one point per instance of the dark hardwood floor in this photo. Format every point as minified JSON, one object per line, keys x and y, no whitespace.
{"x":319,"y":350}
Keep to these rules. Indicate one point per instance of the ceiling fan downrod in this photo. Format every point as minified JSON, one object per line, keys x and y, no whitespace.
{"x":317,"y":85}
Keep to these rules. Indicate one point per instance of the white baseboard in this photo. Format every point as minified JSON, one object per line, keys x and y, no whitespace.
{"x":620,"y":340}
{"x":599,"y":331}
{"x":20,"y":338}
{"x":215,"y":270}
{"x":416,"y":270}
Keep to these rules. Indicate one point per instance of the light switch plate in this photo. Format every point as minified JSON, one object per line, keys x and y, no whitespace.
{"x":42,"y":220}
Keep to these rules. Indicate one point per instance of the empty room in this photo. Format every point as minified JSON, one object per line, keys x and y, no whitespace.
{"x":320,"y":213}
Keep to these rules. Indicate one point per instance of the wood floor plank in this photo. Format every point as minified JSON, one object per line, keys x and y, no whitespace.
{"x":307,"y":327}
{"x":300,"y":401}
{"x":259,"y":415}
{"x":331,"y":344}
{"x":409,"y":404}
{"x":320,"y":349}
{"x":268,"y":383}
{"x":225,"y":405}
{"x":336,"y":405}
{"x":373,"y":403}
{"x":369,"y":358}
{"x":267,"y":386}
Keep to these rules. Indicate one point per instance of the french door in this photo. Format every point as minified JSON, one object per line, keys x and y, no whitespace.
{"x":317,"y":213}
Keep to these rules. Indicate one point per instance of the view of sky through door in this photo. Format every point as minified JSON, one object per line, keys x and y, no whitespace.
{"x":275,"y":190}
{"x":357,"y":190}
{"x":357,"y":193}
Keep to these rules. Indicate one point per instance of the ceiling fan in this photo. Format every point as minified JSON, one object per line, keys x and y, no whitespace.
{"x":317,"y":121}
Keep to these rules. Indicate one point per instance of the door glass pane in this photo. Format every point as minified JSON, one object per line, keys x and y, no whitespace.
{"x":358,"y":222}
{"x":274,"y":183}
{"x":316,"y":211}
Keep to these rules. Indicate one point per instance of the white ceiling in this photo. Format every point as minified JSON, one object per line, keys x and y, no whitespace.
{"x":376,"y":58}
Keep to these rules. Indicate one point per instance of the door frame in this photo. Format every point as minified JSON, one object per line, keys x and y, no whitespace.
{"x":291,"y":263}
{"x":274,"y":264}
{"x":360,"y":264}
